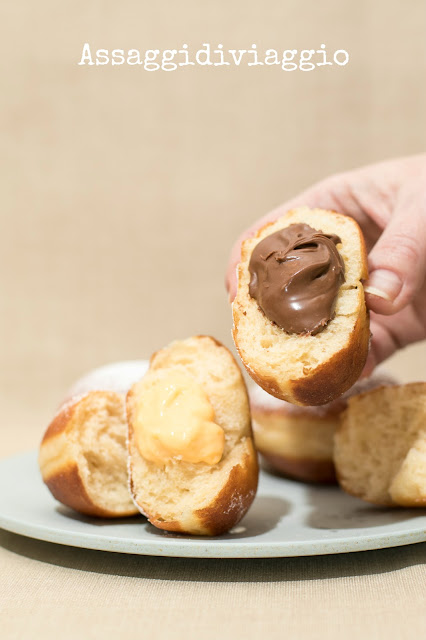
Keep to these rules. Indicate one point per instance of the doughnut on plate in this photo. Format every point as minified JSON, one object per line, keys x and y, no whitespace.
{"x":286,"y":519}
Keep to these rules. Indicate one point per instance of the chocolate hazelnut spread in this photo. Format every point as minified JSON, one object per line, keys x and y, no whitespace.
{"x":296,"y":274}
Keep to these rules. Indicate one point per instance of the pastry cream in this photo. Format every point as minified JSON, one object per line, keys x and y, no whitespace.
{"x":175,"y":419}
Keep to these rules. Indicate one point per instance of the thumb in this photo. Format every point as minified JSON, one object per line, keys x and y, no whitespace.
{"x":397,"y":262}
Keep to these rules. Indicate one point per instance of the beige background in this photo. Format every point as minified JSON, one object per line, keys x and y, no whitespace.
{"x":124,"y":190}
{"x":122,"y":193}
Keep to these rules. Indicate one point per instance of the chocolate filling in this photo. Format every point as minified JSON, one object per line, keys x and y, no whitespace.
{"x":296,"y":274}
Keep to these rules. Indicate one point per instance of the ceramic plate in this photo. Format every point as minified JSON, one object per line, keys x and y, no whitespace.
{"x":286,"y":519}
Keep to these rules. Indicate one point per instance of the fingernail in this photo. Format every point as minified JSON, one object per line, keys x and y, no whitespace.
{"x":383,"y":284}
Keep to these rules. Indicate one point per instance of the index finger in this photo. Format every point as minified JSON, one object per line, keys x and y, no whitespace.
{"x":333,"y":193}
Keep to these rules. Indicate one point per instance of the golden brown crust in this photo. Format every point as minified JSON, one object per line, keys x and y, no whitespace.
{"x":227,"y":508}
{"x":235,"y":497}
{"x":327,"y":381}
{"x":68,"y":488}
{"x":269,"y":384}
{"x":167,"y":525}
{"x":59,"y":467}
{"x":59,"y":422}
{"x":304,"y":469}
{"x":331,"y":379}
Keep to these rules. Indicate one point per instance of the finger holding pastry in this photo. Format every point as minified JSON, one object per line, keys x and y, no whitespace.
{"x":388,"y":202}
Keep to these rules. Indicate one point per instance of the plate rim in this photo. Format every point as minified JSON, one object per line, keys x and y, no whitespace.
{"x":197,"y":547}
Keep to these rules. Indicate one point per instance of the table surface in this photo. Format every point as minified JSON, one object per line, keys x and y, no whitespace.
{"x":87,"y":594}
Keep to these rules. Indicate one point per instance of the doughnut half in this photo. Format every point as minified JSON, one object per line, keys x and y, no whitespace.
{"x":297,"y":442}
{"x":198,"y":498}
{"x":301,"y":368}
{"x":83,"y":454}
{"x":380,"y":447}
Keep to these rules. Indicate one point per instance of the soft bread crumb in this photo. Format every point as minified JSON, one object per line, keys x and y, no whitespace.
{"x":409,"y":484}
{"x":83,"y":456}
{"x":99,"y":436}
{"x":380,"y":448}
{"x":298,"y":441}
{"x":176,"y":494}
{"x":278,"y":360}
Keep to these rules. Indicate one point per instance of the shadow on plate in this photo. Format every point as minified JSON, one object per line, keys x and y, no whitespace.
{"x":99,"y":522}
{"x":264,"y":515}
{"x":332,"y":509}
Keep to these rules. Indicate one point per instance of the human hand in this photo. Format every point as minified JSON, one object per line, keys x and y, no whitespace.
{"x":388,"y":200}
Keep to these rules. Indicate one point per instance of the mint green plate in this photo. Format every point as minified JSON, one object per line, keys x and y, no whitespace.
{"x":286,"y":519}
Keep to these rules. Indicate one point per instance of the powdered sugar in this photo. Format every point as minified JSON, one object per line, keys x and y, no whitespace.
{"x":117,"y":376}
